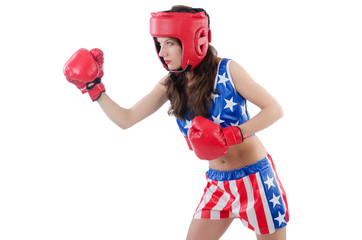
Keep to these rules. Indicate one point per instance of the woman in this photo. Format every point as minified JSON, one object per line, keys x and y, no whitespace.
{"x":208,"y":97}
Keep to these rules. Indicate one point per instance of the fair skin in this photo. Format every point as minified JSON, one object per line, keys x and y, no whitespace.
{"x":171,"y":52}
{"x":245,"y":153}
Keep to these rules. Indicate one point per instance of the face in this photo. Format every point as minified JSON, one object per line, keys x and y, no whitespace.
{"x":171,"y":52}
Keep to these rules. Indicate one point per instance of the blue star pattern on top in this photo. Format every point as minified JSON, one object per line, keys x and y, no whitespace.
{"x":228,"y":106}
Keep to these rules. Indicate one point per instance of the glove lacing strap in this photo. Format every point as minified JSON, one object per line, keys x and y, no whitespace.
{"x":242,"y":135}
{"x":91,"y":85}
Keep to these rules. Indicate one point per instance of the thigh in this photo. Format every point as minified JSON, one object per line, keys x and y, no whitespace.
{"x":208,"y":229}
{"x":280,"y":234}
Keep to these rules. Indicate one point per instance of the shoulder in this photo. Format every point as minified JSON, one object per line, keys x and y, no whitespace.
{"x":239,"y":74}
{"x":244,"y":83}
{"x":162,"y":83}
{"x":249,"y":88}
{"x":164,"y":79}
{"x":236,"y":69}
{"x":160,"y":87}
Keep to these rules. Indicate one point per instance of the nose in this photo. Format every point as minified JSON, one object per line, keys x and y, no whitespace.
{"x":162,"y":52}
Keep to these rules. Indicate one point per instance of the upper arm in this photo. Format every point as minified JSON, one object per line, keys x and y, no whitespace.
{"x":149,"y":103}
{"x":250,"y":89}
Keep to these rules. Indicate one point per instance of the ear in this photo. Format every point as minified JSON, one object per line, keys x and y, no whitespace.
{"x":201,"y":41}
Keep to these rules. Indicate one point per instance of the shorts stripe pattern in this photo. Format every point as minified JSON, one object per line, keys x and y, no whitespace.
{"x":253,"y":193}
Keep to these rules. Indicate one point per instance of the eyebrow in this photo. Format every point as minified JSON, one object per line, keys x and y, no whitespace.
{"x":167,"y":39}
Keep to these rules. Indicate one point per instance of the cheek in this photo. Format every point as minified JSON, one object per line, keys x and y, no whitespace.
{"x":179,"y":53}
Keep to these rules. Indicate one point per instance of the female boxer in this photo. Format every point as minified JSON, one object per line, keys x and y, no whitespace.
{"x":208,"y":97}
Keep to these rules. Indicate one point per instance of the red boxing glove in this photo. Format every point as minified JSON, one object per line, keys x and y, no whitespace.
{"x":209,"y":140}
{"x":85,"y":69}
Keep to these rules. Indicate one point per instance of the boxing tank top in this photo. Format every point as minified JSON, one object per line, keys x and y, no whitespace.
{"x":228,"y":106}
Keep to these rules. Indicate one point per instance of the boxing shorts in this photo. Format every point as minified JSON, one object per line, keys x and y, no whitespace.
{"x":253,"y":193}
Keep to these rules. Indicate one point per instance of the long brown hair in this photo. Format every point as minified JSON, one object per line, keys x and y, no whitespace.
{"x":191,"y":96}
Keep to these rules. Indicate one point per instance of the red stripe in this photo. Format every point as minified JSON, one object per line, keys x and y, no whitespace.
{"x":225,"y":213}
{"x":203,"y":196}
{"x":243,"y":199}
{"x":212,"y":203}
{"x":258,"y":206}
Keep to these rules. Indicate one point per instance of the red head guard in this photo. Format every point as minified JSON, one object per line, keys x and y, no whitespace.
{"x":192,"y":29}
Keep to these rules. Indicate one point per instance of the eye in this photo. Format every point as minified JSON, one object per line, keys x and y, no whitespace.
{"x":170,"y":43}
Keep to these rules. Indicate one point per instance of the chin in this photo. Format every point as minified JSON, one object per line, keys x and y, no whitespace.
{"x":175,"y":68}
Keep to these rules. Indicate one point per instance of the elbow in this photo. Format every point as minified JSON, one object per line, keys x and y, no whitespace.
{"x":279,"y":112}
{"x":124,"y":122}
{"x":275,"y":112}
{"x":124,"y":126}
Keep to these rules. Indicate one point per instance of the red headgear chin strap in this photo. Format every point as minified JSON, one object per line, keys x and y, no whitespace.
{"x":192,"y":29}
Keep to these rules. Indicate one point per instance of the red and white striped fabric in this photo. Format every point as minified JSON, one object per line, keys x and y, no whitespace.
{"x":253,"y":193}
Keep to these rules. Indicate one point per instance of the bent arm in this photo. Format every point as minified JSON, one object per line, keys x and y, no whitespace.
{"x":127,"y":117}
{"x":270,"y":112}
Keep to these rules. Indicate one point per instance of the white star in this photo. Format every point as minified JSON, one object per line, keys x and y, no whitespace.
{"x":235,"y":124}
{"x":214,"y":96}
{"x":243,"y":109}
{"x":188,"y":124}
{"x":280,"y":218}
{"x":223,"y":79}
{"x":275,"y":200}
{"x":230,"y":104}
{"x":269,"y":182}
{"x":217,"y":120}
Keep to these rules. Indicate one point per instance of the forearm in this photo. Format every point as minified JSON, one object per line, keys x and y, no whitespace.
{"x":262,"y":120}
{"x":119,"y":115}
{"x":146,"y":106}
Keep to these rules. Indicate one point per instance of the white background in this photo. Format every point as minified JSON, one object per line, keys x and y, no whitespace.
{"x":67,"y":172}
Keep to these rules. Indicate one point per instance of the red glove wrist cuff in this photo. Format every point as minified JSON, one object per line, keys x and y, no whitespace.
{"x":95,"y":91}
{"x":233,"y":135}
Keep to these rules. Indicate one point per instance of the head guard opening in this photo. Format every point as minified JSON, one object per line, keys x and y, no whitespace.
{"x":192,"y":29}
